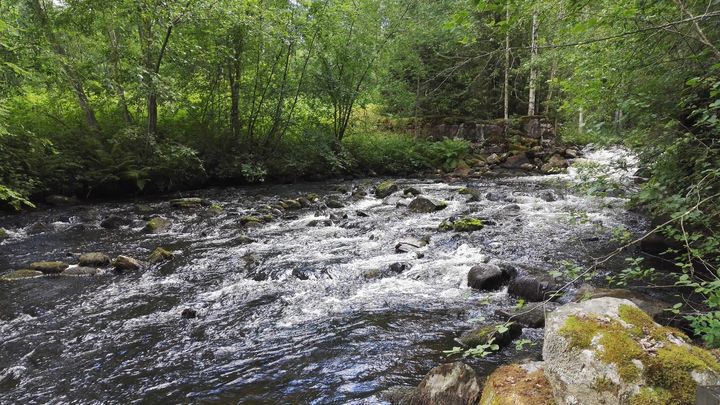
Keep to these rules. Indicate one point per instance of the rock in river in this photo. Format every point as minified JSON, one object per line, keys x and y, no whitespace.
{"x":385,"y":188}
{"x":157,"y":225}
{"x":500,"y":334}
{"x":447,"y":384}
{"x":160,"y":255}
{"x":125,"y":263}
{"x":189,"y":202}
{"x":80,"y":271}
{"x":94,"y":259}
{"x":49,"y":267}
{"x":21,"y":274}
{"x":486,"y":277}
{"x":425,"y":205}
{"x":533,"y":288}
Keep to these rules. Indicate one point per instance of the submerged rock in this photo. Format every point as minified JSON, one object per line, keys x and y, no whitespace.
{"x":157,"y":225}
{"x":486,"y":277}
{"x":412,"y":191}
{"x":49,"y":267}
{"x":125,"y":263}
{"x":80,"y":271}
{"x":21,"y":274}
{"x":518,"y":384}
{"x":426,"y":205}
{"x":500,"y":334}
{"x":94,"y":259}
{"x":189,"y":313}
{"x":188,"y":202}
{"x":532,"y":288}
{"x":115,"y":222}
{"x":447,"y":384}
{"x":334,"y":203}
{"x":608,"y":351}
{"x":531,"y":315}
{"x":320,"y":222}
{"x":385,"y":188}
{"x":160,"y":255}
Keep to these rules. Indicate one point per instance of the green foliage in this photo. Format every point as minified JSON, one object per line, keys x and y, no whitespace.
{"x":634,"y":272}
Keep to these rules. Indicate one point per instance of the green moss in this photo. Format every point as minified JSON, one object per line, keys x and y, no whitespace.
{"x":651,"y":396}
{"x":606,"y":385}
{"x":216,"y":208}
{"x":621,"y":349}
{"x":580,"y":331}
{"x":462,"y":225}
{"x":21,"y":274}
{"x":159,"y":255}
{"x":671,"y":368}
{"x":385,"y":188}
{"x":249,"y":219}
{"x":465,"y":191}
{"x":157,"y":224}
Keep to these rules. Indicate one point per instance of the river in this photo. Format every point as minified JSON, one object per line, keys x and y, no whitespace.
{"x":294,"y":316}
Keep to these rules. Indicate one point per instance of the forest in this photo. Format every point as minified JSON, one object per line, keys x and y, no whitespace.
{"x":135,"y":100}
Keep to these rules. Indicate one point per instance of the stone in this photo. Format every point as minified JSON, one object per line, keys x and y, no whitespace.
{"x":409,"y":246}
{"x":412,"y":191}
{"x":80,"y":271}
{"x":426,"y":205}
{"x":547,"y":196}
{"x":531,"y":315}
{"x":189,"y":313}
{"x":462,"y":224}
{"x":399,"y":267}
{"x":49,"y":267}
{"x":448,"y":384}
{"x":532,"y":288}
{"x":160,"y":255}
{"x":362,"y":214}
{"x":515,"y":161}
{"x":554,"y":164}
{"x":334,"y":203}
{"x":501,"y":334}
{"x":493,"y":196}
{"x":493,"y":159}
{"x":608,"y":351}
{"x":125,"y":263}
{"x":94,"y":259}
{"x":21,"y":274}
{"x":571,"y":153}
{"x":115,"y":222}
{"x":291,"y":204}
{"x":188,"y":202}
{"x":320,"y":222}
{"x":652,"y":306}
{"x":385,"y":188}
{"x":157,"y":225}
{"x":61,"y":200}
{"x":37,"y":228}
{"x":528,"y":167}
{"x":518,"y":384}
{"x":486,"y":277}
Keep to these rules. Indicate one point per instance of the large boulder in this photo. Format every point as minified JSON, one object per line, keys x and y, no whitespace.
{"x":486,"y":276}
{"x":426,"y":204}
{"x":94,"y":259}
{"x":518,"y":384}
{"x":49,"y":267}
{"x":385,"y":188}
{"x":608,"y":351}
{"x":448,"y":384}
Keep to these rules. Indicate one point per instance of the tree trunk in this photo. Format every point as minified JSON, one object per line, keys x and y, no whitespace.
{"x":533,"y":59}
{"x":551,"y":87}
{"x":506,"y":84}
{"x":152,"y":107}
{"x":70,"y":72}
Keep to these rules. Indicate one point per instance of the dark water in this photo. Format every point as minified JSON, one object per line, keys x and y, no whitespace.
{"x":289,"y":318}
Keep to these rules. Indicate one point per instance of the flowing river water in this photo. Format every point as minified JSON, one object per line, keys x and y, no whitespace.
{"x":291,"y":317}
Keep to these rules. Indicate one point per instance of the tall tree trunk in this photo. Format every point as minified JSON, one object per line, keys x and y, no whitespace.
{"x":119,"y":88}
{"x":533,"y":59}
{"x":152,"y":106}
{"x":551,"y":87}
{"x":70,"y":72}
{"x":506,"y":84}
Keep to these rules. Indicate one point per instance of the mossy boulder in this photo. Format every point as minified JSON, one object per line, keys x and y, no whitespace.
{"x":518,"y":384}
{"x":157,"y":225}
{"x":291,"y":204}
{"x":426,"y":205}
{"x":607,"y":350}
{"x":160,"y":255}
{"x":215,"y":209}
{"x":49,"y":267}
{"x":501,"y":334}
{"x":189,"y":202}
{"x":468,"y":224}
{"x":385,"y":188}
{"x":334,"y":202}
{"x":21,"y":274}
{"x":94,"y":259}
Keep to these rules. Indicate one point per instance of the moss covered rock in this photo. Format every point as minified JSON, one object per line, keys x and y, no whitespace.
{"x":385,"y":188}
{"x":518,"y":384}
{"x":21,"y":274}
{"x":3,"y":234}
{"x":49,"y":267}
{"x":467,"y":224}
{"x":125,"y":263}
{"x":501,"y":334}
{"x":94,"y":259}
{"x":157,"y":225}
{"x":426,"y":205}
{"x":607,"y":350}
{"x":159,"y":255}
{"x":189,"y":202}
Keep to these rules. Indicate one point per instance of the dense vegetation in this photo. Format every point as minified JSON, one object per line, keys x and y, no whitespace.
{"x":125,"y":96}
